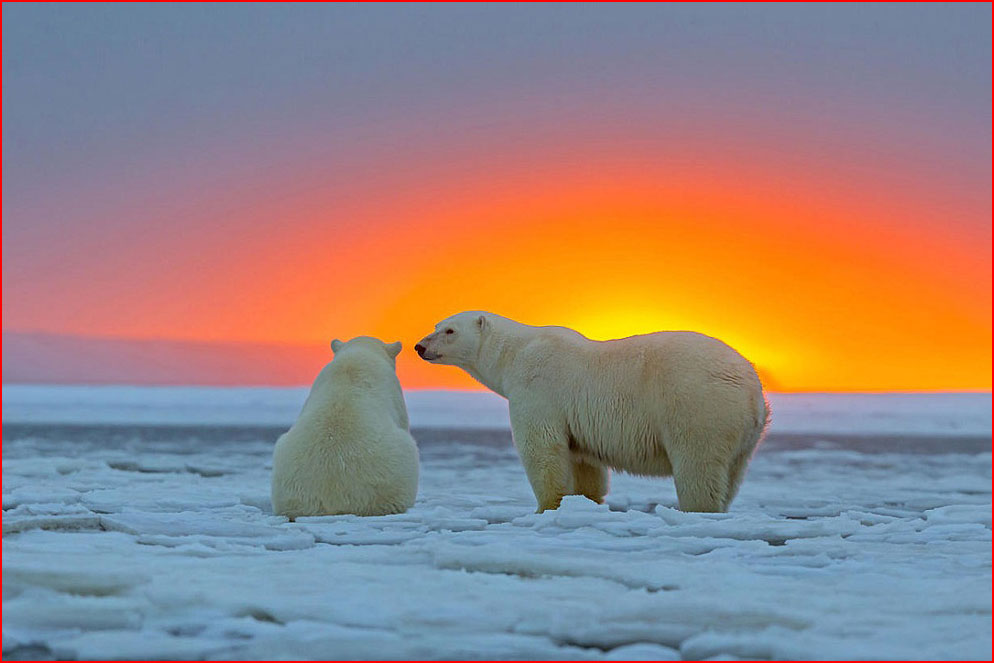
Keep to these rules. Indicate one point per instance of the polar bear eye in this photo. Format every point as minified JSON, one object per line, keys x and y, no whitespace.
{"x":450,"y":331}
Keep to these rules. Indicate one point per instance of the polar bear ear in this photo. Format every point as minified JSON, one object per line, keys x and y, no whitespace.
{"x":393,"y":349}
{"x":481,"y":322}
{"x":336,"y":345}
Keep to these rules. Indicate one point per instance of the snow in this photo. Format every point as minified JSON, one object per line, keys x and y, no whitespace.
{"x":133,"y":542}
{"x":955,"y":414}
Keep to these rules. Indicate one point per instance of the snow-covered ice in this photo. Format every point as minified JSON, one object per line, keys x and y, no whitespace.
{"x":139,"y":541}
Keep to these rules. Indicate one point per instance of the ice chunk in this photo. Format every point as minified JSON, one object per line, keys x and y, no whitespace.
{"x":643,"y":652}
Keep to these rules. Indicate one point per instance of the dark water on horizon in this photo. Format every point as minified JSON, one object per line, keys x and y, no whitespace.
{"x":26,"y":440}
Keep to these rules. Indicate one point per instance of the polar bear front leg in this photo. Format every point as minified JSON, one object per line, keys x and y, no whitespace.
{"x":589,"y":479}
{"x":543,"y":449}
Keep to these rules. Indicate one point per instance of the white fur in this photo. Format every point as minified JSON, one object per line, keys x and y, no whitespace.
{"x":669,"y":403}
{"x":350,"y":450}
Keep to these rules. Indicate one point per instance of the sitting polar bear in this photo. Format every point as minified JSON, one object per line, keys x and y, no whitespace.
{"x":350,"y":450}
{"x":669,"y":403}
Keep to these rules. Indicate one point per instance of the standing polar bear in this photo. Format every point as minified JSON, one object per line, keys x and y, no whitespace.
{"x":349,"y":450}
{"x":669,"y":403}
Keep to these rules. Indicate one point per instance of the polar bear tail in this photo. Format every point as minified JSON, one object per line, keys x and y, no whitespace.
{"x":765,"y":416}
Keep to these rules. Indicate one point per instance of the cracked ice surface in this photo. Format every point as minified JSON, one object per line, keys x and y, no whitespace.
{"x":159,"y":543}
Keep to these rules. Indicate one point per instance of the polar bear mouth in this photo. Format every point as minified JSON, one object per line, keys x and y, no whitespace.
{"x":425,"y":353}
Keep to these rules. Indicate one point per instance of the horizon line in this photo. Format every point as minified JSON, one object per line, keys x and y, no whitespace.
{"x":813,"y":392}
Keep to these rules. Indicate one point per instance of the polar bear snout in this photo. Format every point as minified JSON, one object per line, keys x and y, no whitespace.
{"x":422,"y":349}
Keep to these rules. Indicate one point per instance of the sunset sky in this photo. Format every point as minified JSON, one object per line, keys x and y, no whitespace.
{"x":811,"y":184}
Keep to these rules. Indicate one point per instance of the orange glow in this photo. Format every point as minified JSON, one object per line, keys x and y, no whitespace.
{"x":821,"y":283}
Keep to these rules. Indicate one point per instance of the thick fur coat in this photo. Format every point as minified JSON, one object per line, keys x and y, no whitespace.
{"x":349,"y":450}
{"x":668,"y":403}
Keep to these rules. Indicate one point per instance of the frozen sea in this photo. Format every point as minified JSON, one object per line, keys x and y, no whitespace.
{"x":137,"y":524}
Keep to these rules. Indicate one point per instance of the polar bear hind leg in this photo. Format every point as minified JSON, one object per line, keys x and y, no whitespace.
{"x":736,"y":473}
{"x":702,"y":481}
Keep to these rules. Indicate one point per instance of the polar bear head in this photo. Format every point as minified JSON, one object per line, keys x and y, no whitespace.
{"x":367,"y":344}
{"x":455,"y":341}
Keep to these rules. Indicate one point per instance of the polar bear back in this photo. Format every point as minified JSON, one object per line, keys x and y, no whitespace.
{"x":349,"y":450}
{"x":620,"y":399}
{"x":357,"y":387}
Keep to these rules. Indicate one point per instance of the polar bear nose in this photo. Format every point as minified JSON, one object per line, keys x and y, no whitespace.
{"x":420,"y":349}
